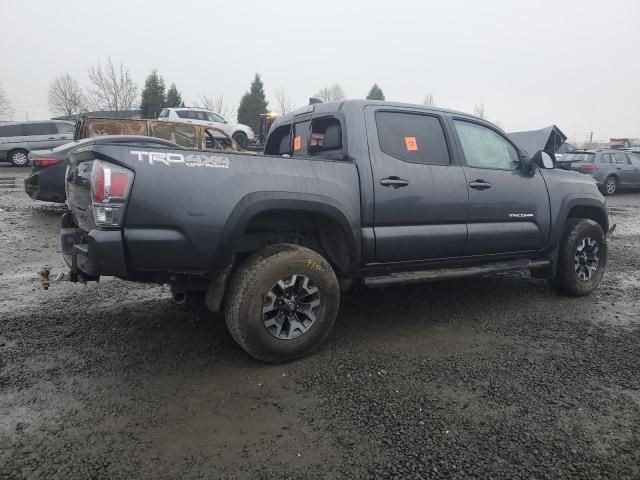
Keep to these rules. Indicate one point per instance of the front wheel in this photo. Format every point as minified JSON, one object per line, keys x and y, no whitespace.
{"x":582,"y":258}
{"x":282,"y":303}
{"x":241,"y":139}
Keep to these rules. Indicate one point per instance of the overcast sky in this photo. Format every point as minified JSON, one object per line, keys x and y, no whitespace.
{"x":575,"y":63}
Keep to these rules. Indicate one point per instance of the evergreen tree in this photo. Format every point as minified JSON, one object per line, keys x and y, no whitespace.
{"x":375,"y":93}
{"x":174,"y":99}
{"x":153,"y":98}
{"x":252,"y":104}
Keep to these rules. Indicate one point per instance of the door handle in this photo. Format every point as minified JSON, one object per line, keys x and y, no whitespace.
{"x":394,"y":182}
{"x":479,"y":184}
{"x":51,"y":138}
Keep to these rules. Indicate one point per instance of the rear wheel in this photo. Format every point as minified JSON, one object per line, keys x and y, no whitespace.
{"x":282,"y":303}
{"x":241,"y":139}
{"x":582,"y":258}
{"x":19,"y":158}
{"x":610,"y":185}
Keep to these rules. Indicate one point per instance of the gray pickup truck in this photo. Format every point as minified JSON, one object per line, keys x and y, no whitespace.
{"x":360,"y":192}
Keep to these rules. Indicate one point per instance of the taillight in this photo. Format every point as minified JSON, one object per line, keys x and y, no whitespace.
{"x":45,"y":162}
{"x":110,"y":186}
{"x":588,"y":167}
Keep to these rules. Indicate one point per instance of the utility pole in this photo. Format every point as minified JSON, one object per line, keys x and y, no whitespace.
{"x":591,"y":138}
{"x":27,"y":114}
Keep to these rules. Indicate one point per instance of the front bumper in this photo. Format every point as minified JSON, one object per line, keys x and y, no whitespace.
{"x":90,"y":255}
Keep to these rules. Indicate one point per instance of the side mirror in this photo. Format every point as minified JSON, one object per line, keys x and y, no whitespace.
{"x":542,"y":160}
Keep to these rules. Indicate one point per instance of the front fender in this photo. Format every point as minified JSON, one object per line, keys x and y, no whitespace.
{"x":577,"y":200}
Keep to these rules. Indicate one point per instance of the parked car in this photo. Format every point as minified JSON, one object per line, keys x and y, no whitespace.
{"x":242,"y":134}
{"x":611,"y":169}
{"x":17,"y":139}
{"x":46,"y":178}
{"x":365,"y":191}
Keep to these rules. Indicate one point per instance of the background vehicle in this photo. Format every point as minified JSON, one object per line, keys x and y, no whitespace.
{"x":200,"y":137}
{"x":46,"y":178}
{"x":611,"y":169}
{"x":374,"y":192}
{"x":17,"y":139}
{"x":242,"y":134}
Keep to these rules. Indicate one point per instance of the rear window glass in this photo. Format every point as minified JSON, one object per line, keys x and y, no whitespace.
{"x":11,"y":131}
{"x":578,"y":157}
{"x":48,"y":128}
{"x":412,"y":137}
{"x":66,"y":127}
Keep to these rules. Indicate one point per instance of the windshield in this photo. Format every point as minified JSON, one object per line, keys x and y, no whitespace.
{"x":586,"y":157}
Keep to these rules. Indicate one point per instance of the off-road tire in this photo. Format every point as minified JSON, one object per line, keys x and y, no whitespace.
{"x":246,"y":293}
{"x":241,"y":139}
{"x":566,"y":280}
{"x":22,"y":154}
{"x":610,"y":186}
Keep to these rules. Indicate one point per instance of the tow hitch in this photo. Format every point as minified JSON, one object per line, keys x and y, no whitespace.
{"x":45,"y":277}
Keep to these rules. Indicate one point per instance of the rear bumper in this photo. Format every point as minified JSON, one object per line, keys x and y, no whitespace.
{"x":90,"y":255}
{"x":46,"y":186}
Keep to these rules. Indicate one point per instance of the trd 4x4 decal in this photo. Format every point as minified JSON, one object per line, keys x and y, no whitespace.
{"x":191,"y":160}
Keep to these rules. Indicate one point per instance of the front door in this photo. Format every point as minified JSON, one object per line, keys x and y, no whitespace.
{"x":420,"y":193}
{"x":508,"y":208}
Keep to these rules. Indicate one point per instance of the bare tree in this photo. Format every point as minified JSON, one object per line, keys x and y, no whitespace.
{"x":334,"y":93}
{"x":113,"y":89}
{"x":6,"y":111}
{"x":480,"y":110}
{"x":429,"y":101}
{"x":217,"y":105}
{"x":284,"y":103}
{"x":66,"y":96}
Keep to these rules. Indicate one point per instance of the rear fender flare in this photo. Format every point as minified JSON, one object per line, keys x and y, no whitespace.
{"x":262,"y":202}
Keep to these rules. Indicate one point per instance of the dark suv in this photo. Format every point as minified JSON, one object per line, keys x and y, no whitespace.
{"x":611,"y":169}
{"x":18,"y":139}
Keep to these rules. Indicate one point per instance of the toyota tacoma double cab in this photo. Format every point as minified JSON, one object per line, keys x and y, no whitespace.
{"x":364,"y":192}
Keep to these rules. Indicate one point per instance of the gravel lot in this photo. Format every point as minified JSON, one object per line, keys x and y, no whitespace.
{"x":491,"y":378}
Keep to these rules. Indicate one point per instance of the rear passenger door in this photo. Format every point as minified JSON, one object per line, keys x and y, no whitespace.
{"x":42,"y":135}
{"x":635,"y":165}
{"x":623,"y":169}
{"x":420,"y":193}
{"x":509,"y":209}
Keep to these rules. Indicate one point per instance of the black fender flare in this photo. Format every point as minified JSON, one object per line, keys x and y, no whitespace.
{"x":260,"y":202}
{"x":568,"y":203}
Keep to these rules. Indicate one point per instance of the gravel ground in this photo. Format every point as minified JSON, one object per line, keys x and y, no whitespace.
{"x":491,"y":378}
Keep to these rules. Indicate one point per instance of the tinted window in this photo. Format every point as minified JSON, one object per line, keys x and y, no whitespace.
{"x":41,"y":128}
{"x":485,"y":148}
{"x":279,"y":141}
{"x":621,"y":158}
{"x":605,"y":158}
{"x":11,"y":131}
{"x":66,"y":127}
{"x":199,"y":115}
{"x":412,"y":137}
{"x":300,"y":138}
{"x":184,"y":113}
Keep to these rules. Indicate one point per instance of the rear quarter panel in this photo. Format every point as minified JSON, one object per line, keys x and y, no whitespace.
{"x":179,"y":217}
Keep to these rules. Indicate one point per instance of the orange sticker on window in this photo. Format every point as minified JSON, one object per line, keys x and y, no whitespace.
{"x":297,"y":143}
{"x":411,"y":144}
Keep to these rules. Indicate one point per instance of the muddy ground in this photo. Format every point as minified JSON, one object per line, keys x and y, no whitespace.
{"x":484,"y":378}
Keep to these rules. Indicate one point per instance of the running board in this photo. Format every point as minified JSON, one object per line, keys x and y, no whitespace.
{"x":450,"y":273}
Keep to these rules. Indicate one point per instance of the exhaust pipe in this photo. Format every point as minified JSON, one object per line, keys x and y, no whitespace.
{"x":178,"y":297}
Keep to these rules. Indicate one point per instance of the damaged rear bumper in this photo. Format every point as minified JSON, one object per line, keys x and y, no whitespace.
{"x":92,"y":254}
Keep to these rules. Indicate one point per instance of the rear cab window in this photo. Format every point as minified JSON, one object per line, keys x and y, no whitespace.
{"x":321,"y":136}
